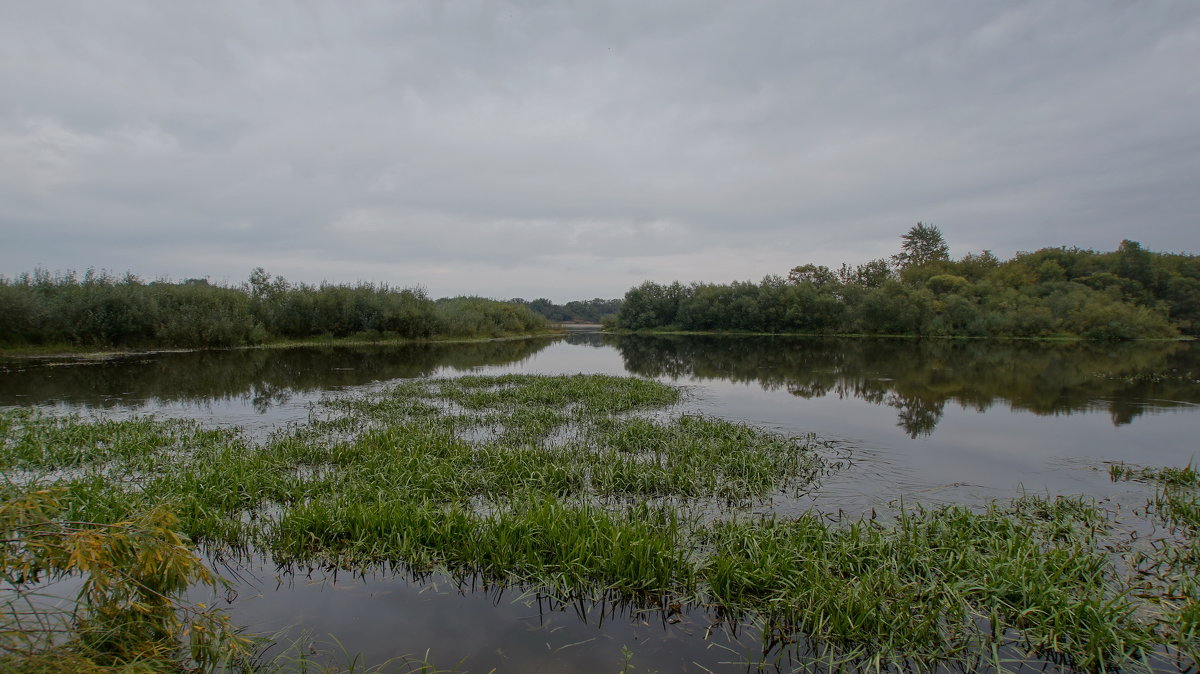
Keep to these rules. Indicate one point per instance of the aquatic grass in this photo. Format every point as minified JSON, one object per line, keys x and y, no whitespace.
{"x":592,"y":394}
{"x":544,"y":483}
{"x":579,"y":550}
{"x":457,"y":439}
{"x":1186,"y":476}
{"x":1166,"y":563}
{"x":34,"y":439}
{"x":1178,"y":507}
{"x":311,"y":655}
{"x":503,"y":471}
{"x":696,"y":456}
{"x":919,"y":589}
{"x":1177,"y":496}
{"x":517,"y":408}
{"x":526,"y":425}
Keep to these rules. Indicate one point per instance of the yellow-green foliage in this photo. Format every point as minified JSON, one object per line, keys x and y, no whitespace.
{"x":128,"y":612}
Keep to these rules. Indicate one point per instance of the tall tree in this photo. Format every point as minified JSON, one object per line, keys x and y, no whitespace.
{"x":921,"y":245}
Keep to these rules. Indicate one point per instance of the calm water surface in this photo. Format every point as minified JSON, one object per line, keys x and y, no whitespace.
{"x":925,"y":422}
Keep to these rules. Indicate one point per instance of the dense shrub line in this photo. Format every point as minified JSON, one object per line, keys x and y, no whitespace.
{"x":99,"y":309}
{"x":1129,"y":293}
{"x":575,"y":311}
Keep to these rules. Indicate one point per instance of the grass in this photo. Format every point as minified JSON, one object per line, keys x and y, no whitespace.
{"x":1169,"y":567}
{"x":1171,"y":477}
{"x":935,"y":584}
{"x":598,"y":487}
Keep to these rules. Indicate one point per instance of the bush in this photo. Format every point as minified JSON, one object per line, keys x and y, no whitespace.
{"x":101,"y":311}
{"x":129,"y":610}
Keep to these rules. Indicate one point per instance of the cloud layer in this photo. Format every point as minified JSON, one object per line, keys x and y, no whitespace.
{"x":573,"y":150}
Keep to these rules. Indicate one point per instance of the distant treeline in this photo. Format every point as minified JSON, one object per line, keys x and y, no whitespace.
{"x":98,"y":309}
{"x":578,"y":311}
{"x":1125,"y":294}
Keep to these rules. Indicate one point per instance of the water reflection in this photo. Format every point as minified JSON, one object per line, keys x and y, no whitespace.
{"x":919,"y":377}
{"x":265,"y":377}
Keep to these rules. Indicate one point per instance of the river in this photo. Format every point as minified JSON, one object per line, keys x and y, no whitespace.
{"x":922,"y":422}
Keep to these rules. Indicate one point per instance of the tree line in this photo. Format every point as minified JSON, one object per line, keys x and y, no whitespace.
{"x":577,"y":311}
{"x":99,"y":309}
{"x":1128,"y":293}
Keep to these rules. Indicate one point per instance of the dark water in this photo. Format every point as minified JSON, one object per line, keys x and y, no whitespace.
{"x":924,"y":421}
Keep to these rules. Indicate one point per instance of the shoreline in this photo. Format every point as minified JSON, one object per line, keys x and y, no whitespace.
{"x":852,"y":335}
{"x":101,"y":354}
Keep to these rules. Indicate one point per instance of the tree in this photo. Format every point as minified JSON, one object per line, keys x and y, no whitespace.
{"x":1135,"y":262}
{"x":872,"y":274}
{"x":921,"y":245}
{"x":818,"y":275}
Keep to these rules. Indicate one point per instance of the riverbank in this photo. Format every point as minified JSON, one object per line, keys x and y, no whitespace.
{"x":863,"y":335}
{"x":97,"y":354}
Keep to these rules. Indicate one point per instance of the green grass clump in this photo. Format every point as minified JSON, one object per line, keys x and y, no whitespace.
{"x":568,"y":548}
{"x":695,"y":456}
{"x":571,"y":437}
{"x":937,"y":585}
{"x":34,"y":439}
{"x":591,"y":394}
{"x":1178,"y":497}
{"x":1169,"y":476}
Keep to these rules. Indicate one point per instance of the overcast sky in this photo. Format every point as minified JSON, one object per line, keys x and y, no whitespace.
{"x":572,"y":150}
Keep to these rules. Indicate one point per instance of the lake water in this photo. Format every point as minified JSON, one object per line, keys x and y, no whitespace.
{"x":922,"y":422}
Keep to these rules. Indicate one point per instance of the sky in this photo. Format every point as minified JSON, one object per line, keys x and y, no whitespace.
{"x":572,"y":150}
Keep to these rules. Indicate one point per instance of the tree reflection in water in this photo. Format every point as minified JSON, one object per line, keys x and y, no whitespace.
{"x":919,"y":377}
{"x":266,"y":377}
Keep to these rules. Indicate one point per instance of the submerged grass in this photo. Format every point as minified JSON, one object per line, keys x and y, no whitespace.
{"x":1169,"y":567}
{"x":593,"y":486}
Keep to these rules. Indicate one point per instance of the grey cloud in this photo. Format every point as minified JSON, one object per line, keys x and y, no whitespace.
{"x":506,"y":147}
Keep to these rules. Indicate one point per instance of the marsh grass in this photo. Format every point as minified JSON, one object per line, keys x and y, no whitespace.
{"x":936,"y":584}
{"x":1169,"y":476}
{"x":599,"y":488}
{"x":1168,"y":565}
{"x":35,"y":440}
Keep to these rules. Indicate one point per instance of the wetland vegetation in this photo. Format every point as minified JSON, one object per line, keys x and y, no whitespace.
{"x":606,"y":488}
{"x":1129,"y":293}
{"x":595,"y":310}
{"x":98,"y":310}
